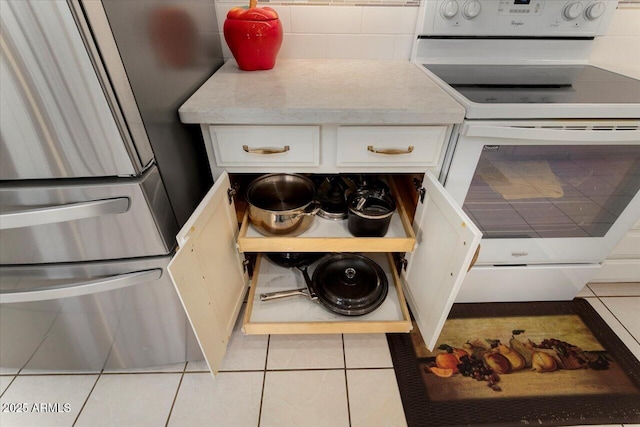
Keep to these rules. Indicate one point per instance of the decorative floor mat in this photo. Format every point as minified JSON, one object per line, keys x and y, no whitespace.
{"x":514,"y":364}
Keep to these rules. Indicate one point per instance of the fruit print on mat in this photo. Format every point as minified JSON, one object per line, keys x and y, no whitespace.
{"x":516,"y":352}
{"x":538,"y":363}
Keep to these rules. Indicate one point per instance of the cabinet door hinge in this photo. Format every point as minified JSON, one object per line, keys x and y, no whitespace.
{"x":400,"y":261}
{"x":231,"y":192}
{"x":404,"y":263}
{"x":419,"y":188}
{"x":245,"y":265}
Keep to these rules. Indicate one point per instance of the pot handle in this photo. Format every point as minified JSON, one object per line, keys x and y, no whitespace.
{"x":314,"y":208}
{"x":309,"y":282}
{"x":284,"y":294}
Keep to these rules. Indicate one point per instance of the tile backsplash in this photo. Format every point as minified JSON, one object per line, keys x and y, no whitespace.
{"x":384,"y":29}
{"x":345,"y":2}
{"x":620,"y":46}
{"x":362,"y":29}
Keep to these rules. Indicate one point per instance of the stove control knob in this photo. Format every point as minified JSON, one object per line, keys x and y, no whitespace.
{"x":594,"y":11}
{"x":572,"y":10}
{"x":471,"y":9}
{"x":449,"y":9}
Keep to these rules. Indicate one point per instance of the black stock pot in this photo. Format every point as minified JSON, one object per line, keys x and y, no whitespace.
{"x":370,"y":212}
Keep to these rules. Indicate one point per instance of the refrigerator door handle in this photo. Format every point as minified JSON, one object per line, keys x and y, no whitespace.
{"x":63,"y":213}
{"x":81,"y":288}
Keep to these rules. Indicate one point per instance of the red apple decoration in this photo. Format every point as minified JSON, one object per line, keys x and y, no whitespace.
{"x":254,"y":36}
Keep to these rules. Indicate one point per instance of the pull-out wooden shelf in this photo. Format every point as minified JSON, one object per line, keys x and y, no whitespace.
{"x":327,"y":235}
{"x":300,"y":315}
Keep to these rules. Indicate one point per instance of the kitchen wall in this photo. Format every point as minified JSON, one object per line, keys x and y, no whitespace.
{"x":383,"y":29}
{"x":363,"y":29}
{"x":620,"y":47}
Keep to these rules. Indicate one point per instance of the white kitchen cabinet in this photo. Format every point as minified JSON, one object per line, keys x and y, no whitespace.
{"x":623,"y":263}
{"x":325,"y":149}
{"x":383,"y":146}
{"x":266,"y":146}
{"x":209,"y":274}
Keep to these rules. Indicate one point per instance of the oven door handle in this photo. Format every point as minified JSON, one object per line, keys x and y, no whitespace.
{"x":76,"y":289}
{"x":552,"y":135}
{"x":63,"y":213}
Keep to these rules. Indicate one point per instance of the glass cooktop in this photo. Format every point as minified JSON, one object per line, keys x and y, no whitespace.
{"x":567,"y":84}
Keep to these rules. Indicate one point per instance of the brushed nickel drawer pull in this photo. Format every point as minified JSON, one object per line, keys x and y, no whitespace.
{"x":76,"y":289}
{"x":391,"y":151}
{"x":266,"y":150}
{"x":64,"y":213}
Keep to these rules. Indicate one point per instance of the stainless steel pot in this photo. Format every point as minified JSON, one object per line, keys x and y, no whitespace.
{"x":281,"y":204}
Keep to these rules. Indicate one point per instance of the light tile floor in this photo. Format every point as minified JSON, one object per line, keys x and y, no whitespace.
{"x":328,"y":380}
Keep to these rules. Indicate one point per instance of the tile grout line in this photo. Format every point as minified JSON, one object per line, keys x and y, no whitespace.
{"x":56,"y":374}
{"x":8,"y":385}
{"x":264,"y":379}
{"x":624,"y":327}
{"x":87,"y":399}
{"x":147,"y":372}
{"x":637,"y":340}
{"x":346,"y":382}
{"x":55,"y":319}
{"x":184,"y":369}
{"x":229,"y":371}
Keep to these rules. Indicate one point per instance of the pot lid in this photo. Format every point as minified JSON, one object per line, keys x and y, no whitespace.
{"x":350,"y":284}
{"x":294,"y":259}
{"x":332,"y":193}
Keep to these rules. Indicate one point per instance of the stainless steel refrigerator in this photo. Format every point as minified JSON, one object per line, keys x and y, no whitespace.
{"x":97,"y":174}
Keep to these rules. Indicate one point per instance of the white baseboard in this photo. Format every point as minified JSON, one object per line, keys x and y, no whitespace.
{"x":619,"y":270}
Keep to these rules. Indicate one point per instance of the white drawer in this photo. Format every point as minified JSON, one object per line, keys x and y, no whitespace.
{"x":266,"y":145}
{"x":390,"y":145}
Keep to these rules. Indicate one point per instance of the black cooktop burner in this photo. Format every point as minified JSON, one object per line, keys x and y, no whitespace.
{"x":570,"y":84}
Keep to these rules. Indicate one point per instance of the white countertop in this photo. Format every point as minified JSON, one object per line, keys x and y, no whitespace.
{"x":629,"y":69}
{"x":317,"y":91}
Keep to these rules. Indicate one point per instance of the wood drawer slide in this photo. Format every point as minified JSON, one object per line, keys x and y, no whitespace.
{"x":300,"y":315}
{"x":326,"y":235}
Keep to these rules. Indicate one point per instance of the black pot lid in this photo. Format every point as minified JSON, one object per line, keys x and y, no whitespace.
{"x":294,"y":259}
{"x":331,"y":195}
{"x":350,"y":284}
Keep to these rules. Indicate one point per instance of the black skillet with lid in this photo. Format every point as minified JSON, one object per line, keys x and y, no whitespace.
{"x":344,"y":283}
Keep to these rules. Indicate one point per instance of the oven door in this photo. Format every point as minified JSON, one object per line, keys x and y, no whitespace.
{"x":547,"y":191}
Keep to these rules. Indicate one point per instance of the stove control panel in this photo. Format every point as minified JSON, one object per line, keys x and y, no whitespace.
{"x":520,"y":8}
{"x":515,"y":18}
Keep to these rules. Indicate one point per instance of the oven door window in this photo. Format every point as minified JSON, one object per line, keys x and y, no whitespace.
{"x":529,"y":191}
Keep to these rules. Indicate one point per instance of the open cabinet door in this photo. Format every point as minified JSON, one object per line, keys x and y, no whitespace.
{"x":446,"y":241}
{"x":208,"y":273}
